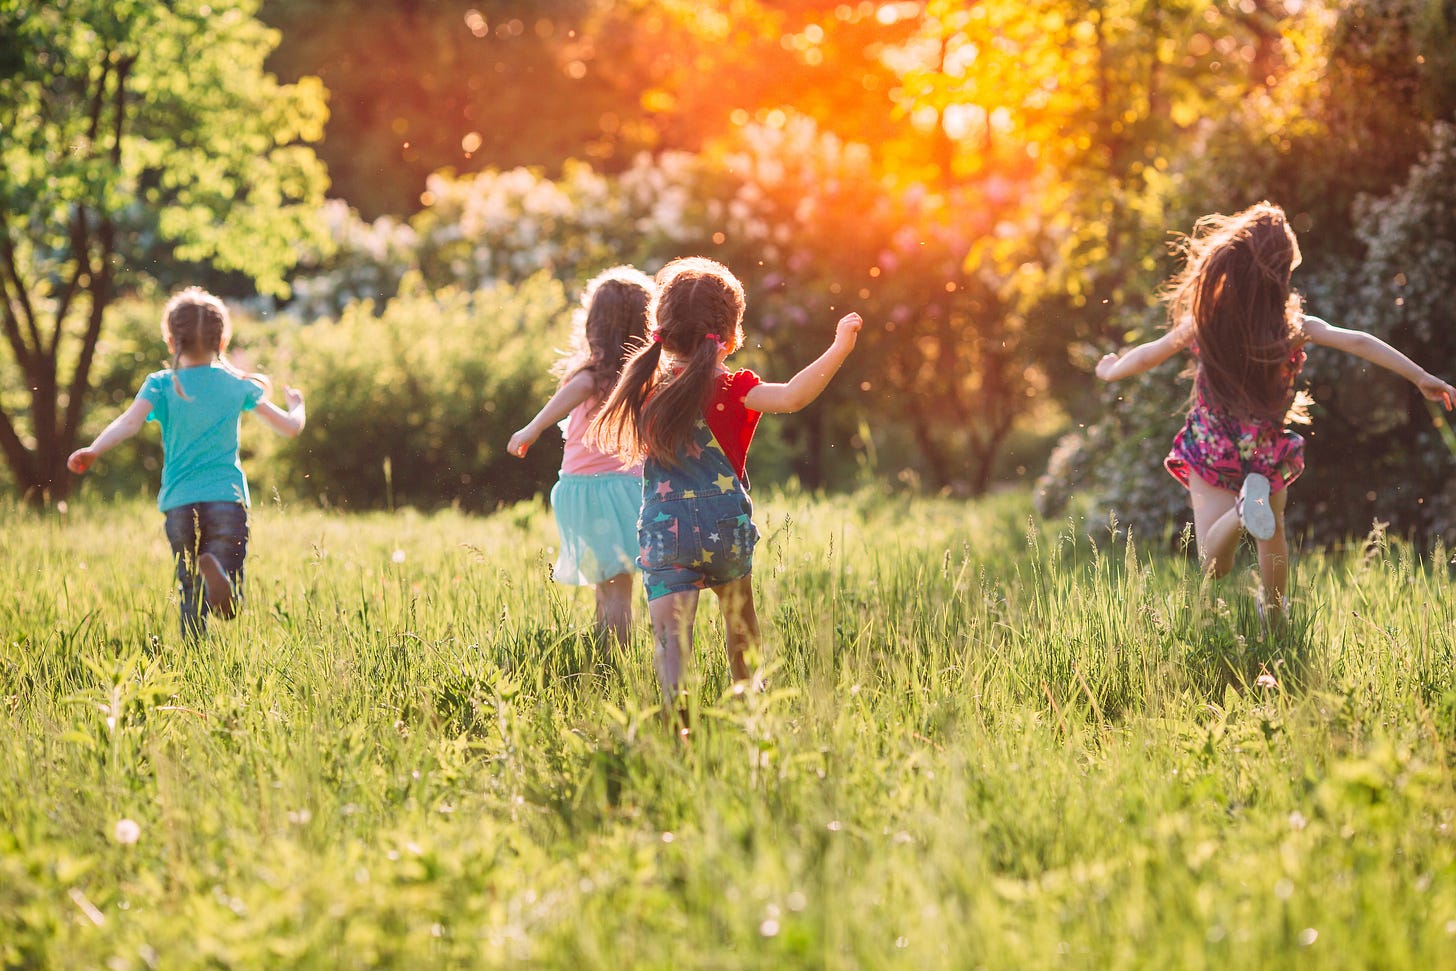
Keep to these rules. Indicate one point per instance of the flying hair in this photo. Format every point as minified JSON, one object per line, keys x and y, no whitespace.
{"x":610,"y":323}
{"x":697,"y":310}
{"x":197,"y":324}
{"x":1234,"y":292}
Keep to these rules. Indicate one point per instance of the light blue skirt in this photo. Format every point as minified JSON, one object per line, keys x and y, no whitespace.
{"x":597,"y":518}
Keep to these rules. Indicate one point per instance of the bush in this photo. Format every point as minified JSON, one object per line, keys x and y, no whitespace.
{"x":1405,"y":294}
{"x":414,"y":405}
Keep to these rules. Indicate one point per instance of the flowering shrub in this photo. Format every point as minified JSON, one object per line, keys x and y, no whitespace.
{"x":803,"y":218}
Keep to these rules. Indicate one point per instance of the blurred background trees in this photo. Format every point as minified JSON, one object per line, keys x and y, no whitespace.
{"x":992,"y":184}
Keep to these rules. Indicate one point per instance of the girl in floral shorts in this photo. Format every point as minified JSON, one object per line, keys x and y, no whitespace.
{"x":1233,"y":308}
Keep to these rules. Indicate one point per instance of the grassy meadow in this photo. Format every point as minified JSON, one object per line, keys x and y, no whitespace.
{"x":986,"y":742}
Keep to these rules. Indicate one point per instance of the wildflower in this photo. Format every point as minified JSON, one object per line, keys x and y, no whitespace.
{"x":127,"y":831}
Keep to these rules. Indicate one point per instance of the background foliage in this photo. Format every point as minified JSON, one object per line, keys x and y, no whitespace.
{"x":423,"y":396}
{"x":993,"y":185}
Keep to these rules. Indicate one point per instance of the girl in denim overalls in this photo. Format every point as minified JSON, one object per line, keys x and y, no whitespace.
{"x":1232,"y":308}
{"x":677,"y":407}
{"x":199,"y":402}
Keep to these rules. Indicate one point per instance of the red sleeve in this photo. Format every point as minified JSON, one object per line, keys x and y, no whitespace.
{"x":731,"y":421}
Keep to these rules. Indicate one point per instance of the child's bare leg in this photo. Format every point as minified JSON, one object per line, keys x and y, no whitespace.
{"x":1215,"y":524}
{"x":1274,"y":559}
{"x":672,"y":632}
{"x":614,"y":608}
{"x":740,"y":623}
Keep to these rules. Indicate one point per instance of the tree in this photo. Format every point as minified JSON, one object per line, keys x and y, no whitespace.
{"x":137,"y":134}
{"x":419,"y":86}
{"x":500,"y":84}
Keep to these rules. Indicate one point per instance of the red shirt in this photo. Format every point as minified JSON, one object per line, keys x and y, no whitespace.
{"x":731,"y":422}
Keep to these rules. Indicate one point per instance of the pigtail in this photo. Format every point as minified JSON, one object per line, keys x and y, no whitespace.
{"x":669,"y":416}
{"x":197,"y":323}
{"x":180,"y":331}
{"x":616,"y":427}
{"x":176,"y":384}
{"x":261,"y":380}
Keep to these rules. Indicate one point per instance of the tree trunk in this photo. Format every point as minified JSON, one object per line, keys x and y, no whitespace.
{"x":810,"y":464}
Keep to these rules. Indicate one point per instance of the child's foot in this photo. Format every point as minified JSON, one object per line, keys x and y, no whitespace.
{"x":1271,"y":616}
{"x":217,"y":588}
{"x":1255,"y":511}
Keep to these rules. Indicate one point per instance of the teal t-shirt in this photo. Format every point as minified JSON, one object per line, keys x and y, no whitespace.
{"x":200,"y":436}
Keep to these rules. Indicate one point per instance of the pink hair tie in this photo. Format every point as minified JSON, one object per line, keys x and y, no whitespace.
{"x":656,"y":336}
{"x":711,"y":337}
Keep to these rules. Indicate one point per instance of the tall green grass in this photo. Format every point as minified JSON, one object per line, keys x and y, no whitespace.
{"x":985,"y":742}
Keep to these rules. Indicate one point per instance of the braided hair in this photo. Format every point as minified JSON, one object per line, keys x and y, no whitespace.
{"x":197,"y":324}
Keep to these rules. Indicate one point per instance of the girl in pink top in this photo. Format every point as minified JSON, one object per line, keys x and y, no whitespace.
{"x":597,"y":498}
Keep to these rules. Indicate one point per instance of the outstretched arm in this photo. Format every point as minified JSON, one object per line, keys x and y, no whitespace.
{"x":809,"y":383}
{"x":1376,"y":351}
{"x":1144,"y":357}
{"x":122,"y":427}
{"x":567,"y":397}
{"x":289,"y":422}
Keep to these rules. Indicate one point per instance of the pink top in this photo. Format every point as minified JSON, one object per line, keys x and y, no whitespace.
{"x":579,"y":457}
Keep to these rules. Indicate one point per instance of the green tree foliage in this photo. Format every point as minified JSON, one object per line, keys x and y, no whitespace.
{"x":137,"y":134}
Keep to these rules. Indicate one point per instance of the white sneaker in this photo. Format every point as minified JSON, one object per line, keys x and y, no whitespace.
{"x":1255,"y":511}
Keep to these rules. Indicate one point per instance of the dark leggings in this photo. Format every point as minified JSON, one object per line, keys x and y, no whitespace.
{"x":219,"y":528}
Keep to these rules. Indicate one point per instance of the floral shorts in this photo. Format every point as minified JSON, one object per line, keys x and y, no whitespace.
{"x":1222,"y":450}
{"x":695,"y":543}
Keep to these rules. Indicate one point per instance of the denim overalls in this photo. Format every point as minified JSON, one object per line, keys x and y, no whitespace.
{"x":696,"y":530}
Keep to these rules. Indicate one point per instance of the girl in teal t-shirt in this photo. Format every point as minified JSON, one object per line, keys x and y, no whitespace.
{"x":198,"y":403}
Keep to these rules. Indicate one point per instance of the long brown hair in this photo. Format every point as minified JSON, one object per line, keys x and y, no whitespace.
{"x":610,"y":323}
{"x":1234,"y":291}
{"x":651,"y":412}
{"x":196,"y":323}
